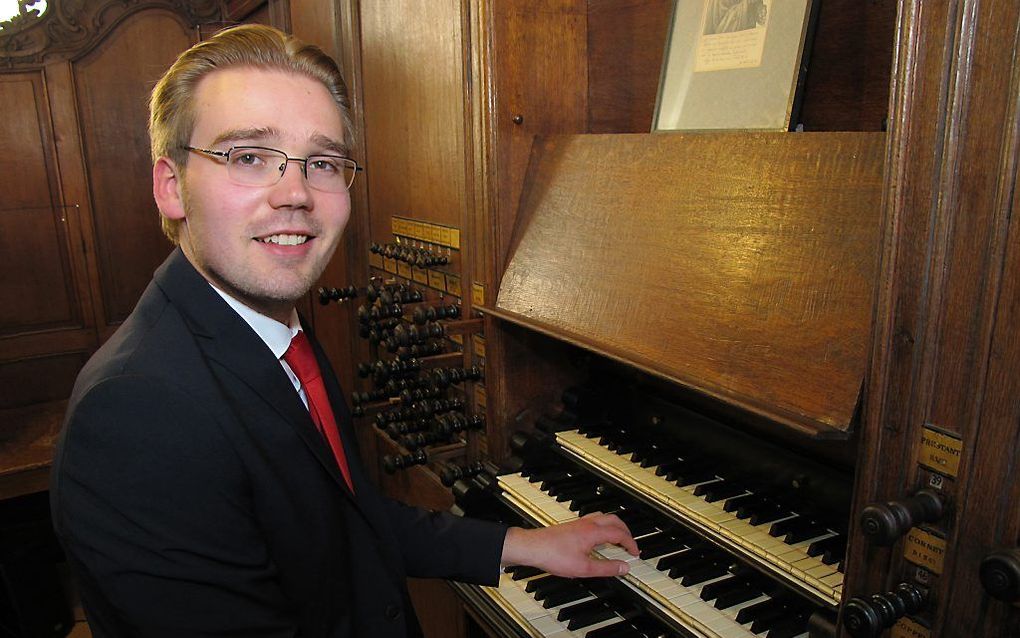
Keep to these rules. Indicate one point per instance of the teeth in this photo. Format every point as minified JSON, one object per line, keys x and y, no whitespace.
{"x":286,"y":240}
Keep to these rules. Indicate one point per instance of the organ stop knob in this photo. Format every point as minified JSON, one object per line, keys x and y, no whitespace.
{"x":1000,"y":574}
{"x":884,"y":523}
{"x":869,"y":617}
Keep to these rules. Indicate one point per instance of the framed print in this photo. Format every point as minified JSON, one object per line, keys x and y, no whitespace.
{"x":733,"y":64}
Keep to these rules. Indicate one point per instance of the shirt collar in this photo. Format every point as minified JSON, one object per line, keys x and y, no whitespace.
{"x":275,"y":334}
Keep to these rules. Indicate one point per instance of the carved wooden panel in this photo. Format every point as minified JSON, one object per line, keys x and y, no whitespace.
{"x":37,"y":290}
{"x":111,"y":84}
{"x":70,"y":28}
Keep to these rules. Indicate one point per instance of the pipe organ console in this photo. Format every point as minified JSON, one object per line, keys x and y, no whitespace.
{"x":784,"y":359}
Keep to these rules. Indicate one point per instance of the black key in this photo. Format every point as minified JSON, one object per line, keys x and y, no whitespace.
{"x":585,"y":613}
{"x":804,"y":533}
{"x":679,"y":560}
{"x":567,"y":491}
{"x":600,"y":494}
{"x":767,"y":515}
{"x":833,"y":556}
{"x":716,"y":481}
{"x":672,"y":468}
{"x":752,"y":612}
{"x":653,"y":457}
{"x":590,"y":618}
{"x":685,"y":466}
{"x":818,"y":548}
{"x":662,"y":469}
{"x":736,"y":596}
{"x":789,"y":627}
{"x":782,"y":528}
{"x":704,"y":574}
{"x":623,"y":445}
{"x":520,"y":572}
{"x":564,"y":595}
{"x":564,"y":496}
{"x":605,"y":506}
{"x":636,"y":522}
{"x":543,"y":583}
{"x":735,"y":503}
{"x":765,"y":621}
{"x":656,"y":545}
{"x":712,"y":591}
{"x":719,"y":491}
{"x":758,"y":506}
{"x":685,"y":478}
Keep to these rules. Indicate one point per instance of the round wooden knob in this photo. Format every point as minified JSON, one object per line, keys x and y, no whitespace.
{"x":884,"y":523}
{"x":1000,"y":575}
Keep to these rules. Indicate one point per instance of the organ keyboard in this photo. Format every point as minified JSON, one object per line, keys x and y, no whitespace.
{"x":727,"y":550}
{"x":797,"y":547}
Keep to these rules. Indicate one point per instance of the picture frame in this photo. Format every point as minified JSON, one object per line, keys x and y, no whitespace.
{"x":733,"y":64}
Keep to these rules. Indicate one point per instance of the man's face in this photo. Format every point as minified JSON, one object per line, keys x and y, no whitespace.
{"x":233,"y":233}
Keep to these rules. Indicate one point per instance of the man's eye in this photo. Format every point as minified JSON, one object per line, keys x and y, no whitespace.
{"x":323,"y":165}
{"x":248,"y":159}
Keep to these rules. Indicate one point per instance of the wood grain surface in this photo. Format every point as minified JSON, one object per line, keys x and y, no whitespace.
{"x":739,"y":265}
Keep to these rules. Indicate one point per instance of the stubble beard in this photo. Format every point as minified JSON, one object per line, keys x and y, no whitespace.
{"x":270,"y":292}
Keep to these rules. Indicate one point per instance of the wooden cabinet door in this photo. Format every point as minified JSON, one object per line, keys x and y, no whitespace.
{"x":111,"y":85}
{"x":46,"y":324}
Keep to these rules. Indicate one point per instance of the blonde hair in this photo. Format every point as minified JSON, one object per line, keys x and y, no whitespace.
{"x":171,"y":111}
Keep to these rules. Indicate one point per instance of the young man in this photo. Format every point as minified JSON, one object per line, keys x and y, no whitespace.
{"x":199,"y":486}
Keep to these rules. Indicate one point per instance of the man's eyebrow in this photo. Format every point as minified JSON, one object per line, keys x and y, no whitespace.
{"x":329,"y":144}
{"x":240,"y":134}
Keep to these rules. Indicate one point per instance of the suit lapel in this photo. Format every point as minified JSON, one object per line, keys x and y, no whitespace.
{"x":226,"y":339}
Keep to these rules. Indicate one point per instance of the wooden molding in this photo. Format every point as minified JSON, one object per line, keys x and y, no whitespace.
{"x":71,"y":28}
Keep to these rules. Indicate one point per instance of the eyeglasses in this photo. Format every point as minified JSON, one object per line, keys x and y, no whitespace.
{"x":260,"y":166}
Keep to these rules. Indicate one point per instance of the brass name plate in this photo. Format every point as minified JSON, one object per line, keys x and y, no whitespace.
{"x":436,"y":280}
{"x":426,"y":231}
{"x":390,"y":264}
{"x":940,"y":452}
{"x":480,"y":397}
{"x":375,"y":260}
{"x":479,"y":343}
{"x":477,"y":294}
{"x":924,"y":549}
{"x":404,"y":270}
{"x":419,"y":275}
{"x":907,"y":628}
{"x":453,"y":285}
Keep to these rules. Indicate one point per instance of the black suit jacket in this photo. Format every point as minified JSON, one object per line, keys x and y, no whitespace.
{"x":194,"y":496}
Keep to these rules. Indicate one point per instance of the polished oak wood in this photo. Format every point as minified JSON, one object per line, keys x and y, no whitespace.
{"x":664,"y":252}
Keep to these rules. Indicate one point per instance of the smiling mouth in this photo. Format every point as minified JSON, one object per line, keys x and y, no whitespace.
{"x":284,"y":240}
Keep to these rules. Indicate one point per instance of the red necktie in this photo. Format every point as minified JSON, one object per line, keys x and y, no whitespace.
{"x":301,"y":359}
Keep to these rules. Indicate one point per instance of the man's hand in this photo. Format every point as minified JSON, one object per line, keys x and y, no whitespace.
{"x":564,"y":549}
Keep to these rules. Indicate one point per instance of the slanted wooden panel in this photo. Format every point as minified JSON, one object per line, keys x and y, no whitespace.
{"x":739,"y":265}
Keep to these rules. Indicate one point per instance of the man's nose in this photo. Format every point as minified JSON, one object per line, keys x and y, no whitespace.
{"x":292,"y":189}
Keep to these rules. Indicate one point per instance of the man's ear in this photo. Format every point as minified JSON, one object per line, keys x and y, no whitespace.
{"x":166,"y":188}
